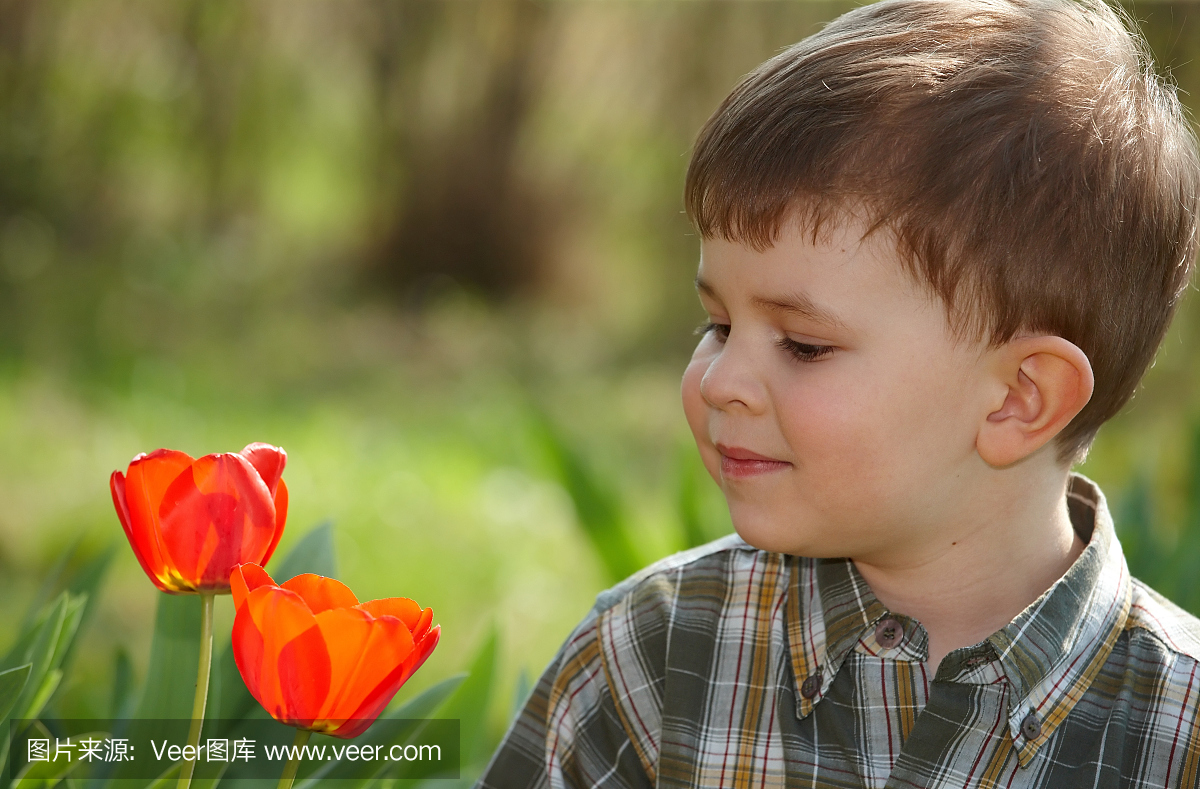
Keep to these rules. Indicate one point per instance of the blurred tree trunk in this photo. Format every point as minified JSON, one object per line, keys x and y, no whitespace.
{"x":454,"y":85}
{"x":26,"y":210}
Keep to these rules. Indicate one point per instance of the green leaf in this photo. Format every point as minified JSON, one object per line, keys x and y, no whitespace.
{"x":86,"y":584}
{"x":50,"y":683}
{"x":470,"y":703}
{"x":314,"y":553}
{"x":21,"y":650}
{"x":41,"y":655}
{"x":597,"y":508}
{"x":72,"y":617}
{"x":52,"y":581}
{"x":200,"y":781}
{"x":521,"y":693}
{"x":5,"y":742}
{"x":50,"y":680}
{"x":174,"y":651}
{"x":170,"y":686}
{"x":11,"y":683}
{"x":233,"y":700}
{"x":427,"y":701}
{"x":168,"y":778}
{"x":6,"y":732}
{"x":122,"y":688}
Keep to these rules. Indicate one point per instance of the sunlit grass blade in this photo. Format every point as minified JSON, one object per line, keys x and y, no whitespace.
{"x":470,"y":704}
{"x":122,"y":692}
{"x":521,"y":693}
{"x":598,"y":508}
{"x":169,"y":689}
{"x":12,"y":682}
{"x":41,"y":655}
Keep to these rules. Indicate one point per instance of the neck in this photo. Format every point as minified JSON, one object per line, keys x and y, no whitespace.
{"x":1005,"y":546}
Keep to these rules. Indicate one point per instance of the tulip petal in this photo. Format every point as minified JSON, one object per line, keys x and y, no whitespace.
{"x":426,"y":645}
{"x":281,"y":654}
{"x":246,"y":640}
{"x":304,"y":677}
{"x":146,"y":482}
{"x":145,"y":550}
{"x":245,"y":578}
{"x":321,"y":593}
{"x":116,"y":483}
{"x":213,"y":516}
{"x":374,"y":703}
{"x":372,"y":652}
{"x":422,"y":628}
{"x":346,"y":632}
{"x":407,"y":611}
{"x":281,"y":508}
{"x":268,"y":461}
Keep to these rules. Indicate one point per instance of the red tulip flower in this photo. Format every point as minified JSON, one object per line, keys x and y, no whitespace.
{"x":318,"y":659}
{"x":190,"y":522}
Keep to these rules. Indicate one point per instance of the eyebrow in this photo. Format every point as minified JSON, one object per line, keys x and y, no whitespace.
{"x":794,"y":303}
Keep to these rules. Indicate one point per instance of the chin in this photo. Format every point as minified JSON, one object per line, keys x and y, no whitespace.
{"x":766,"y":534}
{"x":770,"y":537}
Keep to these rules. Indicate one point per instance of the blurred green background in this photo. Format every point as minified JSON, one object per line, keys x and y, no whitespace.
{"x":436,"y":251}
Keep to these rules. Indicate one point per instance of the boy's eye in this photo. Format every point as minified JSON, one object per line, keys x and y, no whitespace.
{"x":804,"y":352}
{"x":719,"y":330}
{"x":798,"y":350}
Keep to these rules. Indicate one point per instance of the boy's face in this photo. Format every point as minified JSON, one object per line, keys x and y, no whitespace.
{"x":829,"y":399}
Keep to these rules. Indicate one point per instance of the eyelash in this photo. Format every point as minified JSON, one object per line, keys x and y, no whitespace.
{"x":800,"y":351}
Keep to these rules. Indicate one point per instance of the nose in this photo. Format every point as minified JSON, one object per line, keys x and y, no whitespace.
{"x":733,"y":378}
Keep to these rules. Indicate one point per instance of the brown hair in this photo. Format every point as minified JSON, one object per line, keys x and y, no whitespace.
{"x":1037,"y":175}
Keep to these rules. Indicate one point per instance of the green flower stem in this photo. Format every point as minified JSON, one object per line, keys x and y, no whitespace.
{"x":206,"y":639}
{"x":289,"y":770}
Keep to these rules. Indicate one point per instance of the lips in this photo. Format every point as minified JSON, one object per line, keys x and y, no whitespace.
{"x":738,"y":462}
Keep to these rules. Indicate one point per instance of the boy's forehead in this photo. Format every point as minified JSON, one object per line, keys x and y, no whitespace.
{"x":789,"y":301}
{"x":816,"y":275}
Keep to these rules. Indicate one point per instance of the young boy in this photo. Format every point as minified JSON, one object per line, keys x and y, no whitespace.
{"x":941,"y":243}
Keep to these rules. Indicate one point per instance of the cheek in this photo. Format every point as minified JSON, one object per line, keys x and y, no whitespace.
{"x":839,"y":429}
{"x":693,"y":402}
{"x":697,"y":410}
{"x":822,"y":412}
{"x":885,"y":427}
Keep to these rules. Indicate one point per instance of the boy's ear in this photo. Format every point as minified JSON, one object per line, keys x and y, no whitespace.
{"x":1040,"y":384}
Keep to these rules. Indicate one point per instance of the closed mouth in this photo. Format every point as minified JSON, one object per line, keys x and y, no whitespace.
{"x":739,"y":462}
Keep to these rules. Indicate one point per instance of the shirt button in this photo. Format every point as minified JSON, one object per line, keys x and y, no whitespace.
{"x":888,"y":633}
{"x":811,"y":685}
{"x":1031,"y":727}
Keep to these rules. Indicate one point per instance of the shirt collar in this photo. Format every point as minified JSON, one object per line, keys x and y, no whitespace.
{"x":1049,"y":655}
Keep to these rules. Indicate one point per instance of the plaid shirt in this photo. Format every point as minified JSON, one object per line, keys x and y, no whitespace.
{"x":727,"y":666}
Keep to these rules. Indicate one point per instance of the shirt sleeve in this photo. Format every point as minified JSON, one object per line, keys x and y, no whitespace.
{"x":568,"y":735}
